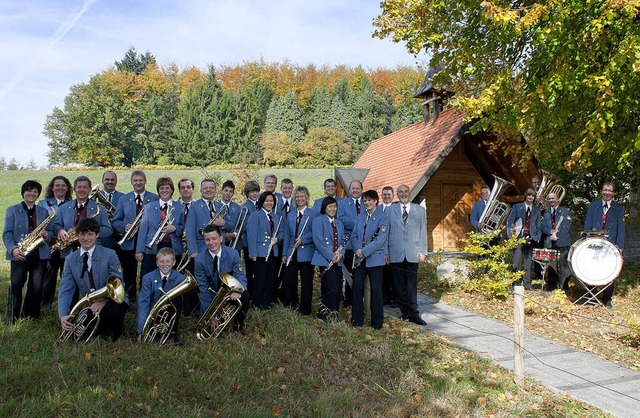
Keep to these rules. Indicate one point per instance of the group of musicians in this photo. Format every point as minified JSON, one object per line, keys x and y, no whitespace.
{"x":551,"y":229}
{"x":282,"y":236}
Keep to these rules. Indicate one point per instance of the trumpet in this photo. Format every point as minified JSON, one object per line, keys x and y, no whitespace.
{"x":219,"y":214}
{"x":61,"y":245}
{"x":99,"y":198}
{"x":85,"y":323}
{"x":222,"y":310}
{"x":271,"y":240}
{"x":33,"y":240}
{"x":159,"y":234}
{"x":237,"y":230}
{"x":135,"y":226}
{"x":163,"y":315}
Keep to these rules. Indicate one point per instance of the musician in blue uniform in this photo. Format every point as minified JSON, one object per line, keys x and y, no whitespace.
{"x":330,"y":243}
{"x":369,"y":244}
{"x":329,"y":187}
{"x":605,"y":215}
{"x":556,"y":225}
{"x":58,"y":191}
{"x":19,"y":221}
{"x":165,"y":211}
{"x":155,"y":284}
{"x":111,"y":195}
{"x":89,"y":269}
{"x":202,"y":211}
{"x":524,"y":222}
{"x":348,"y":211}
{"x":264,"y":230}
{"x":251,"y":191}
{"x":298,"y":250}
{"x":214,"y":262}
{"x":127,"y":210}
{"x":231,"y":211}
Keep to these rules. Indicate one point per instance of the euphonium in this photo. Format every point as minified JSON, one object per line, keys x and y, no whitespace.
{"x":548,"y":185}
{"x":219,"y":214}
{"x":61,"y":245}
{"x":495,"y":212}
{"x":99,"y":198}
{"x":85,"y":323}
{"x":163,"y":315}
{"x":159,"y":235}
{"x":33,"y":239}
{"x":135,"y":226}
{"x":222,"y":310}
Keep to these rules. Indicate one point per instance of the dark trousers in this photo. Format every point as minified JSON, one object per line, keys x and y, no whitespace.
{"x":330,"y":292}
{"x":30,"y":271}
{"x":263,"y":277}
{"x":347,"y":295}
{"x":290,"y":285}
{"x":388,"y":287}
{"x":522,"y":253}
{"x":249,"y":266}
{"x":112,"y":319}
{"x":278,"y":276}
{"x":129,"y":272}
{"x":405,"y":278}
{"x":557,"y":274}
{"x":377,"y":304}
{"x":52,"y":272}
{"x":190,"y":300}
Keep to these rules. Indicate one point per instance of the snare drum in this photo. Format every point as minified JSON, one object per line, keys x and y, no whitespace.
{"x":545,"y":254}
{"x":595,"y":261}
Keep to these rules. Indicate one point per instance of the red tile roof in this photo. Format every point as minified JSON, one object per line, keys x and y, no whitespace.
{"x":412,"y":154}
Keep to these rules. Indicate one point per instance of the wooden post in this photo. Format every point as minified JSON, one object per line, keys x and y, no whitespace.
{"x":518,"y":334}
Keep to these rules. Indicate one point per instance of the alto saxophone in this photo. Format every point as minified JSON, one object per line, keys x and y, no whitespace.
{"x":222,"y":310}
{"x":163,"y":315}
{"x":33,"y":239}
{"x":61,"y":245}
{"x":85,"y":323}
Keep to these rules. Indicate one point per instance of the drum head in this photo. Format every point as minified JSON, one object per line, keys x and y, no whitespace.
{"x":595,"y":261}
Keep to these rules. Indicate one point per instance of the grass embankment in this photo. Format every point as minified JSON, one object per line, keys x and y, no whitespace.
{"x":284,"y":365}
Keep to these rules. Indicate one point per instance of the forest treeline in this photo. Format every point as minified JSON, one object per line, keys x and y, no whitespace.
{"x":270,"y":114}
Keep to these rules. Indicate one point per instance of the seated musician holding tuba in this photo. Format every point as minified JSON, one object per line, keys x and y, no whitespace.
{"x":156,"y":284}
{"x":210,"y":266}
{"x":89,"y":269}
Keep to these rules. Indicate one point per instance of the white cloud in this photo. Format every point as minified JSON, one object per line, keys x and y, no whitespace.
{"x":49,"y":45}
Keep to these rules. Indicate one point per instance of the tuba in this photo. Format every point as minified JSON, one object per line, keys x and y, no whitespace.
{"x":495,"y":213}
{"x":33,"y":239}
{"x":163,"y":315}
{"x":222,"y":310}
{"x":99,"y":198}
{"x":85,"y":323}
{"x":550,"y":184}
{"x":61,"y":245}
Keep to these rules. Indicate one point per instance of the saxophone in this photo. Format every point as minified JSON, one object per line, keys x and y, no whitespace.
{"x":163,"y":315}
{"x":222,"y":310}
{"x":85,"y":323}
{"x":61,"y":245}
{"x":33,"y":239}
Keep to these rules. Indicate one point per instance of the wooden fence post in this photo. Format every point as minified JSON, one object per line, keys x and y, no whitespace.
{"x":518,"y":334}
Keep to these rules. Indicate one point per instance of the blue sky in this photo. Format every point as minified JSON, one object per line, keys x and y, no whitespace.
{"x":49,"y":45}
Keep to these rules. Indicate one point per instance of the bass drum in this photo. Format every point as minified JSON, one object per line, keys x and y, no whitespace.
{"x":595,"y":261}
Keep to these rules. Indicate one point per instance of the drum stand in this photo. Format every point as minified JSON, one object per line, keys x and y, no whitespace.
{"x":590,"y":297}
{"x":544,"y":264}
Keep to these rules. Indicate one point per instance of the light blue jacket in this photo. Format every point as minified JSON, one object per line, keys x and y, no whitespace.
{"x":374,"y":248}
{"x":229,"y":263}
{"x":66,"y":216}
{"x":407,"y":240}
{"x":126,"y":213}
{"x":151,"y":291}
{"x":323,"y":240}
{"x":149,"y":225}
{"x":259,"y":233}
{"x":16,"y":225}
{"x":305,"y":250}
{"x":519,"y":211}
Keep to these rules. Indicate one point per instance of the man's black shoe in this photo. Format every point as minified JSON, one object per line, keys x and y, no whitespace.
{"x":417,"y":320}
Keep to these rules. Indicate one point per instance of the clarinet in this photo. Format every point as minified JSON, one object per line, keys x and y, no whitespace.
{"x":338,"y":251}
{"x":357,"y":260}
